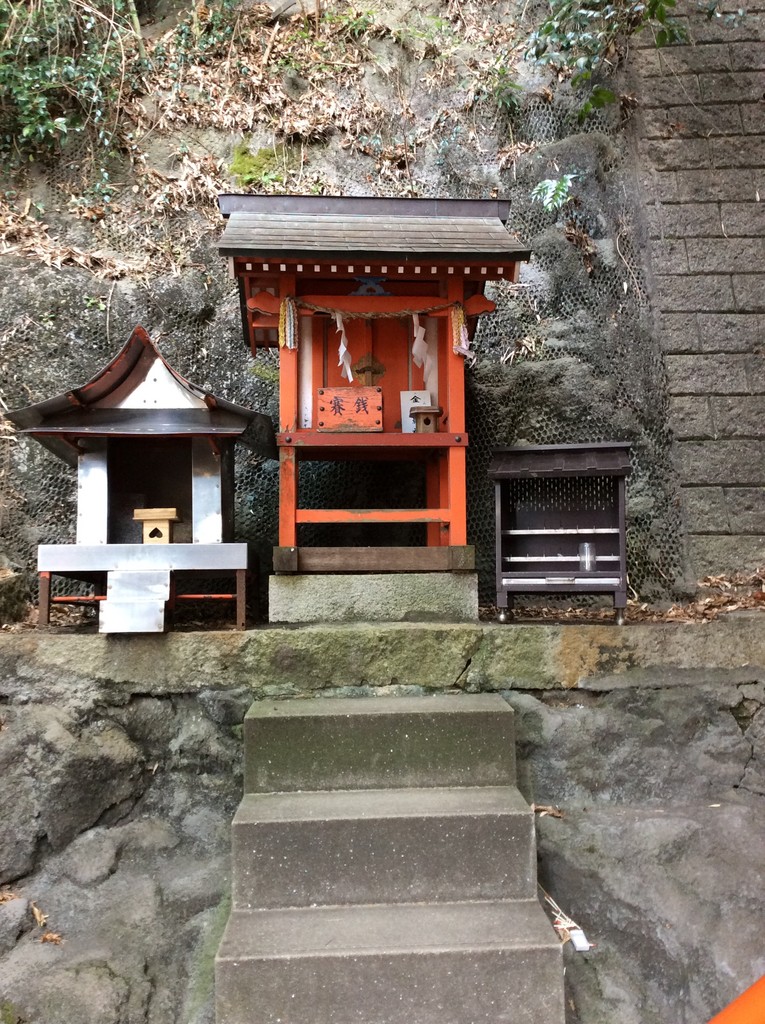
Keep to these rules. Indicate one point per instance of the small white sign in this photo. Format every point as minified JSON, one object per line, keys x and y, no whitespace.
{"x":408,"y":399}
{"x":579,"y":940}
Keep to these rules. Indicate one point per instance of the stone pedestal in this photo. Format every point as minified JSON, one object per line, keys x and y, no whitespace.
{"x":374,"y":597}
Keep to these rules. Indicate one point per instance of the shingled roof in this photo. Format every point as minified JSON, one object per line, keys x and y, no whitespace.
{"x":604,"y":458}
{"x":333,"y":226}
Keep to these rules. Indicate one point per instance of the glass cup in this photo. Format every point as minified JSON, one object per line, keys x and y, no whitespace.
{"x":587,"y":557}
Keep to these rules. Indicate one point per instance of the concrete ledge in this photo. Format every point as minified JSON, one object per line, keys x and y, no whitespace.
{"x":376,"y":597}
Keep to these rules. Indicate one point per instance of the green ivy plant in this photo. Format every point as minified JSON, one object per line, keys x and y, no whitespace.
{"x":67,"y":65}
{"x":62,"y":68}
{"x":504,"y":90}
{"x":588,"y":39}
{"x":553,"y":193}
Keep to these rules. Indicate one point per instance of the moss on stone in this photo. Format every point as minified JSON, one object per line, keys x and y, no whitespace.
{"x":266,"y":165}
{"x":202,"y":978}
{"x":270,"y":374}
{"x":14,"y":595}
{"x":9,"y":1014}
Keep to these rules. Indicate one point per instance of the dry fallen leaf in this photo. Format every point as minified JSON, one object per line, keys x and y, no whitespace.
{"x":53,"y":937}
{"x":6,"y":897}
{"x":39,"y":917}
{"x":545,"y":810}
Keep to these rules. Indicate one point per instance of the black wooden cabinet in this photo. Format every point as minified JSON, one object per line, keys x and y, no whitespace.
{"x":560,"y":521}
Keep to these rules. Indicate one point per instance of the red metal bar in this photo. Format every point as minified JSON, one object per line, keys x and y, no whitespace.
{"x":78,"y":600}
{"x":749,"y":1008}
{"x":205,"y":597}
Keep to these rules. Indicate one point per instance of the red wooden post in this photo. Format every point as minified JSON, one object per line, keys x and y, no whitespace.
{"x":433,"y":497}
{"x":241,"y":598}
{"x":288,"y":497}
{"x":455,"y":459}
{"x":457,"y":496}
{"x":43,"y":613}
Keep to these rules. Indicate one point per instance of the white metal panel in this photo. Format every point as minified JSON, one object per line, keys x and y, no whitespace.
{"x":408,"y":399}
{"x":305,"y":371}
{"x":92,"y":496}
{"x":65,"y":558}
{"x":585,"y":581}
{"x":150,"y":385}
{"x":138,"y":585}
{"x":160,"y":390}
{"x":206,"y":512}
{"x":131,"y":617}
{"x":135,"y":602}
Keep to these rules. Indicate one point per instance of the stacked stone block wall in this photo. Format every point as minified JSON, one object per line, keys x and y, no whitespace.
{"x":701,"y":148}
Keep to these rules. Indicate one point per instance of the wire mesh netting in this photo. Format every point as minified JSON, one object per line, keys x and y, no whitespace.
{"x":569,"y":355}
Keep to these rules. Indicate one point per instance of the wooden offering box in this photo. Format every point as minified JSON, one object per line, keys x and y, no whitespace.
{"x":560,"y":521}
{"x":349,"y":410}
{"x":372,"y":303}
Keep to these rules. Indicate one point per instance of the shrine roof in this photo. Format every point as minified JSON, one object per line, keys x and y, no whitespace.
{"x":604,"y":458}
{"x":465,"y":231}
{"x":138,"y":393}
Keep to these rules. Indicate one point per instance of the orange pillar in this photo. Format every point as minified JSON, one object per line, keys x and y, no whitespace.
{"x":455,"y":457}
{"x":456,"y":461}
{"x":749,"y":1008}
{"x":433,"y":497}
{"x":288,"y":498}
{"x":288,"y":421}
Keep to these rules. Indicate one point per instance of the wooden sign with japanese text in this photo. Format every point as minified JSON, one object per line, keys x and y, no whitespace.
{"x":347,"y":410}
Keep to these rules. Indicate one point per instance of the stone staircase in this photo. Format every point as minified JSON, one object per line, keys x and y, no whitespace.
{"x":384,"y":870}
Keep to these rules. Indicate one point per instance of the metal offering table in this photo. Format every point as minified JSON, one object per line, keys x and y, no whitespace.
{"x":154,"y":456}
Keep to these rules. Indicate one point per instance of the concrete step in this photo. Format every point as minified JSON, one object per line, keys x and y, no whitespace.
{"x":381,"y":846}
{"x":379,"y":743}
{"x":454,"y":963}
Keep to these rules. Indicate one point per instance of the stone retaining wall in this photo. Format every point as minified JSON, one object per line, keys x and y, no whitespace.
{"x":701,"y":141}
{"x":120,"y":769}
{"x":361,"y":659}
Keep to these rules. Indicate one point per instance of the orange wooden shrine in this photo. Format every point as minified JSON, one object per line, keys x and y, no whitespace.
{"x":373,"y":303}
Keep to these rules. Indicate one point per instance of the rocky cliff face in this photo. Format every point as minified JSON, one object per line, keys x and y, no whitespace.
{"x":116,"y":827}
{"x":120,"y":773}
